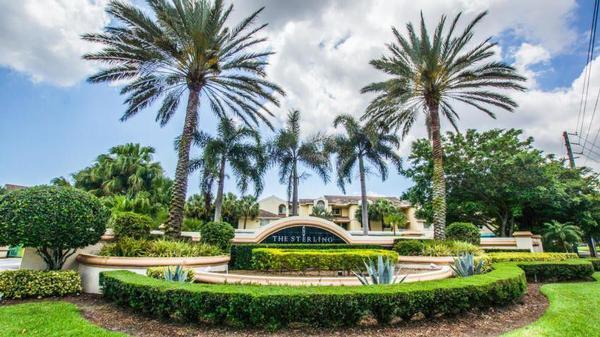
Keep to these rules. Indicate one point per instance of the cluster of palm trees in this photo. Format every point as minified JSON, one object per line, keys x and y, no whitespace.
{"x":187,"y":47}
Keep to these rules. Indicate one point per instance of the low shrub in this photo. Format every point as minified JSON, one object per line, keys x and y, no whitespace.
{"x":556,"y":271}
{"x":522,"y":257}
{"x":158,"y":248}
{"x":278,"y":306}
{"x":409,"y":247}
{"x":463,"y":231}
{"x":191,"y":225}
{"x":309,"y":259}
{"x":218,"y":234}
{"x":241,"y":255}
{"x":595,"y":262}
{"x":159,"y":273}
{"x":19,"y":284}
{"x":133,"y":225}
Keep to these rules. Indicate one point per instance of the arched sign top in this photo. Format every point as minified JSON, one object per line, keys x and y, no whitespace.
{"x":302,"y":229}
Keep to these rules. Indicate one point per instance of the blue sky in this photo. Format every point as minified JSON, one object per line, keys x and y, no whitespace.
{"x":53,"y":125}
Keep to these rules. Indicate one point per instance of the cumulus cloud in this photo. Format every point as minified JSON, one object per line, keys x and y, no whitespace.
{"x":529,"y":55}
{"x":42,"y":38}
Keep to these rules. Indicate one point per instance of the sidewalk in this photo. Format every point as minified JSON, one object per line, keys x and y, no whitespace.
{"x":10,"y":264}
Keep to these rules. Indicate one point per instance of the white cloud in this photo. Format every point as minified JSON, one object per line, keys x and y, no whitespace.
{"x":529,"y":55}
{"x":42,"y":38}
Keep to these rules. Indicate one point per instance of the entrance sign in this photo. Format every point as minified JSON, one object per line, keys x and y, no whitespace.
{"x":303,"y":234}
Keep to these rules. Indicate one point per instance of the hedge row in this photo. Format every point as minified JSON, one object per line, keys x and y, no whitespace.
{"x":556,"y":271}
{"x":18,"y":284}
{"x":595,"y":262}
{"x":523,"y":257}
{"x":312,"y":259}
{"x":241,"y":255}
{"x":277,"y":306}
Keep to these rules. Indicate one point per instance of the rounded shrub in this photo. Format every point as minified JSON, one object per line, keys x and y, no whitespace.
{"x":54,"y":220}
{"x":409,"y":247}
{"x":191,"y":225}
{"x":133,"y":225}
{"x":218,"y":234}
{"x":463,"y":231}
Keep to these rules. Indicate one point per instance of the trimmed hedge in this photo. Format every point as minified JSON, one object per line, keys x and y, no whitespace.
{"x":130,"y":224}
{"x":241,"y":255}
{"x":277,"y":306}
{"x":18,"y":284}
{"x":523,"y":257}
{"x":556,"y":271}
{"x":312,"y":259}
{"x":463,"y":231}
{"x":595,"y":262}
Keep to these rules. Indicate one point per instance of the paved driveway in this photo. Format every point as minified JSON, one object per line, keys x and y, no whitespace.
{"x":10,"y":264}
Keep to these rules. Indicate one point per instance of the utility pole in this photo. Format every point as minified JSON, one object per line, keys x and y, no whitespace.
{"x":569,"y":150}
{"x":591,"y":243}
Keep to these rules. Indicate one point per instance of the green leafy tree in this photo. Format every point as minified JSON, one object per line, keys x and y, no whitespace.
{"x":3,"y":191}
{"x":185,"y":48}
{"x":288,"y":151}
{"x":231,"y":208}
{"x":248,"y":208}
{"x":563,"y":235}
{"x":429,"y":74}
{"x":54,"y":220}
{"x":359,"y":146}
{"x":241,"y":149}
{"x":196,"y":208}
{"x":321,"y":212}
{"x":396,"y":219}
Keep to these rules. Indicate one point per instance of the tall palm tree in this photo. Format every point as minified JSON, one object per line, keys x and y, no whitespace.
{"x":563,"y":235}
{"x":239,"y":147}
{"x":289,"y":151}
{"x":185,"y":47}
{"x":248,"y":208}
{"x":430,"y":74}
{"x":360,"y":145}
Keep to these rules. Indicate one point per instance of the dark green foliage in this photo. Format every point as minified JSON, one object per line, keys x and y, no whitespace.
{"x":218,"y":234}
{"x":133,"y":225}
{"x":463,"y":231}
{"x":241,"y":255}
{"x":290,"y":259}
{"x":595,"y":262}
{"x":409,"y":247}
{"x":278,"y":306}
{"x":19,"y":284}
{"x":556,"y":271}
{"x":192,"y":225}
{"x":54,"y":220}
{"x":158,"y":248}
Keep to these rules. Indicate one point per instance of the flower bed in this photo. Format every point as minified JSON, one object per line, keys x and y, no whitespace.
{"x":315,"y":259}
{"x":17,"y":284}
{"x":276,"y":306}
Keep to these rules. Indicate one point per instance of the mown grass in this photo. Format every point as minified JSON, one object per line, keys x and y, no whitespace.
{"x":573,"y":311}
{"x":47,"y":319}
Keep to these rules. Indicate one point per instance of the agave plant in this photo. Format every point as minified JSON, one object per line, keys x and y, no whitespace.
{"x":465,"y":266}
{"x":176,"y":275}
{"x":384,"y":272}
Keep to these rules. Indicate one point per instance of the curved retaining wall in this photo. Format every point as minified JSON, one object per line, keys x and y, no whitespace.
{"x":210,"y":277}
{"x":90,"y":266}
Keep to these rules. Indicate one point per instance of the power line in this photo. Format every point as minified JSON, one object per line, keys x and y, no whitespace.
{"x":586,"y":78}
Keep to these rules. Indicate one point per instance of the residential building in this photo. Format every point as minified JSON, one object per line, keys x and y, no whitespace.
{"x":342,"y":208}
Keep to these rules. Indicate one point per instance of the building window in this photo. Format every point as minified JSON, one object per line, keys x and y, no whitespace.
{"x":321,"y":204}
{"x":281,"y":209}
{"x":336,"y":211}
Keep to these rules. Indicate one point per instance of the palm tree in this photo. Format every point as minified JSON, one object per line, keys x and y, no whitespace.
{"x":248,"y":208}
{"x":321,"y":212}
{"x":362,"y":144}
{"x":60,"y":181}
{"x":185,"y":47}
{"x":396,"y":218}
{"x":563,"y":235}
{"x":288,"y":151}
{"x":429,"y":74}
{"x":241,"y":149}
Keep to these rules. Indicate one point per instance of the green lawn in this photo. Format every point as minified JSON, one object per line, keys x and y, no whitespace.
{"x":573,"y":311}
{"x":47,"y":319}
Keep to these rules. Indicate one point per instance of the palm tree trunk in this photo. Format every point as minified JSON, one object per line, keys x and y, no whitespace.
{"x":245,"y":218}
{"x":219,"y":199}
{"x":179,"y":190}
{"x":363,"y":196}
{"x":438,"y":179}
{"x":295,"y":190}
{"x":592,"y":246}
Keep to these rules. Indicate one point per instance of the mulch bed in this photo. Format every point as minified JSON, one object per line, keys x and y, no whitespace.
{"x":491,"y":322}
